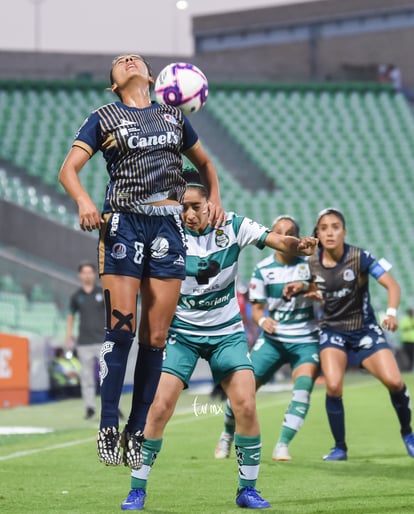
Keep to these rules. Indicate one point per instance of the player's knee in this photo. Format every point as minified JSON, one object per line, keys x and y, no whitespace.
{"x":161,"y":411}
{"x":334,"y":388}
{"x":244,"y":407}
{"x":157,"y":338}
{"x":120,"y":337}
{"x":393,"y":384}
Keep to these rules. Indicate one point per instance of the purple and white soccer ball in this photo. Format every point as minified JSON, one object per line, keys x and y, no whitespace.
{"x":182,"y":85}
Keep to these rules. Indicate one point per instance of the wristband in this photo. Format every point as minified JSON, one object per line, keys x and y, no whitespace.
{"x":306,"y":286}
{"x":261,"y":321}
{"x":391,"y":312}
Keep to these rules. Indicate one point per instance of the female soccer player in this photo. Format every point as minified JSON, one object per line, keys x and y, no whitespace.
{"x":208,"y":324}
{"x":141,"y":244}
{"x":348,"y":325}
{"x":290,"y":335}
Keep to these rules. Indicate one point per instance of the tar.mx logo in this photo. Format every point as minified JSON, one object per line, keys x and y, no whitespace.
{"x":204,"y":409}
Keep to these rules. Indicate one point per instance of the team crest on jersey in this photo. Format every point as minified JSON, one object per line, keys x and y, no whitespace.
{"x":170,"y":118}
{"x":119,"y":251}
{"x":348,"y":275}
{"x":303,"y":271}
{"x":159,"y":248}
{"x":222,"y":239}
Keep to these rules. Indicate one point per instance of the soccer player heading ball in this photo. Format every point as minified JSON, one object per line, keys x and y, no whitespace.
{"x":141,"y":239}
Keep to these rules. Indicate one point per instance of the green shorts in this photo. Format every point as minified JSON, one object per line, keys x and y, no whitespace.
{"x":225,"y":354}
{"x":268,"y":356}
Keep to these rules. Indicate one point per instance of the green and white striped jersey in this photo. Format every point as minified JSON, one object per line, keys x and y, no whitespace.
{"x":295,"y":317}
{"x":208,"y":302}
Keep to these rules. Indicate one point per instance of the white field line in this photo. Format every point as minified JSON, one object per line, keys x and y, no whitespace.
{"x":184,"y":412}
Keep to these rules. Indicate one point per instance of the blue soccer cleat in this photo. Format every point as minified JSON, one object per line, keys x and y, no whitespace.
{"x":249,"y":498}
{"x":336,"y":454}
{"x":409,"y":443}
{"x":135,"y":500}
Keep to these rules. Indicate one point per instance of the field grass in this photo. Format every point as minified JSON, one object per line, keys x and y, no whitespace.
{"x":58,"y":472}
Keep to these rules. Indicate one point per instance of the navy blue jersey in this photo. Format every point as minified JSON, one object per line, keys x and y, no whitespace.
{"x":346,"y":302}
{"x":142,"y":149}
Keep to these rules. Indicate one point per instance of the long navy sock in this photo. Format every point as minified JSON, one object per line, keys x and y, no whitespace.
{"x":402,"y":406}
{"x":336,"y":417}
{"x":112,"y":364}
{"x":146,"y":377}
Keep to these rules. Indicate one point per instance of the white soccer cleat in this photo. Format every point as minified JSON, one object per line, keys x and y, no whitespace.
{"x":222,"y":450}
{"x":281,"y":452}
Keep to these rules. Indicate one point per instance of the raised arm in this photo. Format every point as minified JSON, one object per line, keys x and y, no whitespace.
{"x":201,"y":160}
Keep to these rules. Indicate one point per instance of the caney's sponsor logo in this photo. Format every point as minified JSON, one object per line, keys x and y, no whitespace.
{"x":165,"y":138}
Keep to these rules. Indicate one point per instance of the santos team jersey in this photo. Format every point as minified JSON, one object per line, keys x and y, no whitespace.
{"x":208,"y":302}
{"x":142,"y":149}
{"x":295,"y":317}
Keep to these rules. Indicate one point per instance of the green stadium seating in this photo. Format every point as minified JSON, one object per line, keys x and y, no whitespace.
{"x":18,"y":312}
{"x":348,"y":145}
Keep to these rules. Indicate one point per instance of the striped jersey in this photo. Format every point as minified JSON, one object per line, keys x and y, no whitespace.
{"x":208,"y":301}
{"x":142,"y":149}
{"x":346,"y":301}
{"x":295,"y":317}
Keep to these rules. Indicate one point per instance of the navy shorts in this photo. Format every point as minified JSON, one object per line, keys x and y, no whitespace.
{"x":357,"y":344}
{"x":142,"y":245}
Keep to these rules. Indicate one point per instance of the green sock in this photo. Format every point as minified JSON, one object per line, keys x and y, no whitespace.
{"x":248,"y":452}
{"x":229,"y":422}
{"x":150,"y":450}
{"x":297,"y":409}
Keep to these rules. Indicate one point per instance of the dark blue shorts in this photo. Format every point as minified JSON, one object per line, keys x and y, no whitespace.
{"x":141,"y":245}
{"x":357,"y":344}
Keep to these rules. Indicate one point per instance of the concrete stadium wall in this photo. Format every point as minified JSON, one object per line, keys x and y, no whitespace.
{"x":355,"y":56}
{"x":325,"y":57}
{"x":44,"y":239}
{"x":291,"y":13}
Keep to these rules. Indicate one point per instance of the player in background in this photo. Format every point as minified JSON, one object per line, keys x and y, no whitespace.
{"x":87,"y":303}
{"x":290,"y":335}
{"x":141,"y":243}
{"x":348,"y":325}
{"x":208,"y":324}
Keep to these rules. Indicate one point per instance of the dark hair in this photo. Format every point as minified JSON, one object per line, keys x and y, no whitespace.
{"x":111,"y":76}
{"x":193,"y":180}
{"x":86,"y":264}
{"x":289,"y":218}
{"x":324,"y":212}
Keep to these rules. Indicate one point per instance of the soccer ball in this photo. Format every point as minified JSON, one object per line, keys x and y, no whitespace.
{"x":182,"y":85}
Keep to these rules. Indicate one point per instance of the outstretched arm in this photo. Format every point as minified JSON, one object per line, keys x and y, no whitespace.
{"x":291,"y":245}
